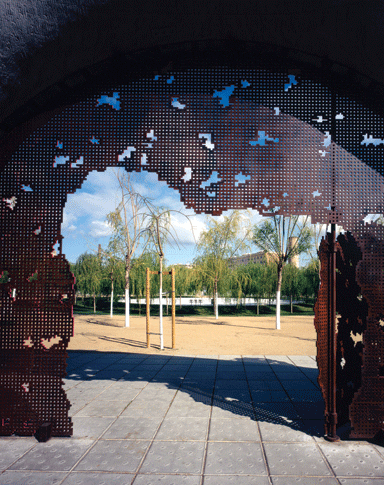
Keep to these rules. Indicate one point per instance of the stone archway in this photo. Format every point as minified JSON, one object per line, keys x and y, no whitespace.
{"x":224,"y":139}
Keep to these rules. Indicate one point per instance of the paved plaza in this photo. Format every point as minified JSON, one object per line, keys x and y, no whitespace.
{"x":194,"y":420}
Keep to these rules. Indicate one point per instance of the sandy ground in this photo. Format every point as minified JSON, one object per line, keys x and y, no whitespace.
{"x":198,"y":335}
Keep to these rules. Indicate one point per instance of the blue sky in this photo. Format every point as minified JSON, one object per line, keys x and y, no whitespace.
{"x":84,"y":221}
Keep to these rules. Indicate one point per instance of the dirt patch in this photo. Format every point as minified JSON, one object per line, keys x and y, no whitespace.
{"x":197,"y":335}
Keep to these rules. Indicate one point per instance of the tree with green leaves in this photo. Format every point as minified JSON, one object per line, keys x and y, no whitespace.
{"x":224,"y":238}
{"x":291,"y":282}
{"x":182,"y":281}
{"x":282,"y":238}
{"x":256,"y":285}
{"x":310,"y":280}
{"x":89,"y":274}
{"x":240,"y":282}
{"x":261,"y":282}
{"x":138,"y":275}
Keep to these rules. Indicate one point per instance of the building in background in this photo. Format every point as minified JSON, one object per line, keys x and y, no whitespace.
{"x":262,"y":257}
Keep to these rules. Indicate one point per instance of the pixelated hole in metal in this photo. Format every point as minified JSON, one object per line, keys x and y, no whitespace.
{"x":28,"y":342}
{"x":50,"y":342}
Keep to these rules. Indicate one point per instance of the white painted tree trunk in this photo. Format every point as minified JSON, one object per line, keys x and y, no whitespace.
{"x":278,"y":310}
{"x":161,"y":306}
{"x":112,"y":303}
{"x":216,"y":302}
{"x":278,"y":291}
{"x":217,"y":307}
{"x":127,"y":307}
{"x":127,"y":271}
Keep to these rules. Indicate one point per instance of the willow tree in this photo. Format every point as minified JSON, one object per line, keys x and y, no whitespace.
{"x":282,"y":238}
{"x":89,"y":273}
{"x":224,"y":238}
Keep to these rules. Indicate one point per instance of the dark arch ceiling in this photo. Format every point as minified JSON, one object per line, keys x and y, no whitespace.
{"x":50,"y":49}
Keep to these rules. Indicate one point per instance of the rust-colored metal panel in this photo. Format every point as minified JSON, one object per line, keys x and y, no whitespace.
{"x":224,"y":139}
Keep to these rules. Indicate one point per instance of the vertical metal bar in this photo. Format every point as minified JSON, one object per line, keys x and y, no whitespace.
{"x":173,"y":308}
{"x":332,"y":411}
{"x":148,"y":290}
{"x":332,"y":344}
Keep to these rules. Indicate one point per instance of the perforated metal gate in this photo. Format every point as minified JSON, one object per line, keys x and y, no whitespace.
{"x":224,"y":139}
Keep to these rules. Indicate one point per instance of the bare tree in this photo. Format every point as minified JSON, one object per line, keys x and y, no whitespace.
{"x":138,"y":223}
{"x":128,"y":222}
{"x":161,"y":232}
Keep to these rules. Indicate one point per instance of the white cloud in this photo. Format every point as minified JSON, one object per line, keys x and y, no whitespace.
{"x":187,"y":230}
{"x":68,"y":220}
{"x":88,"y":204}
{"x":100,"y":229}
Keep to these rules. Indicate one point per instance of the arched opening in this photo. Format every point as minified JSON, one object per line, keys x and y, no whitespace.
{"x":224,"y":139}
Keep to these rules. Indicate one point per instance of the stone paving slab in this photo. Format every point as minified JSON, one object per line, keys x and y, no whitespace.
{"x":133,"y":428}
{"x":239,"y":458}
{"x":266,"y":385}
{"x":114,"y":456}
{"x":361,"y":481}
{"x":167,"y":480}
{"x":232,"y":409}
{"x":269,"y":396}
{"x":189,"y":410}
{"x":29,"y":478}
{"x":233,"y":430}
{"x":232,"y":395}
{"x":114,"y":393}
{"x":82,"y":478}
{"x":309,"y":410}
{"x":160,"y":419}
{"x":100,"y":408}
{"x":304,"y":481}
{"x":76,"y":406}
{"x":275,"y":412}
{"x":174,"y":457}
{"x":183,"y":429}
{"x":11,"y":450}
{"x":59,"y":454}
{"x":301,"y":459}
{"x":353,"y":459}
{"x":278,"y":432}
{"x":235,"y":480}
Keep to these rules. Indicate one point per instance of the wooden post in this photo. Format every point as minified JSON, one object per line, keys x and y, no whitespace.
{"x":148,"y":305}
{"x":173,"y":308}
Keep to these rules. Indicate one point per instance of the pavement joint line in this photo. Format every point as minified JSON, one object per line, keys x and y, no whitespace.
{"x":99,"y":438}
{"x":322,"y":454}
{"x":258,"y":429}
{"x":209,"y":427}
{"x":18,"y":458}
{"x":381,"y":454}
{"x":157,"y":430}
{"x":334,"y":475}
